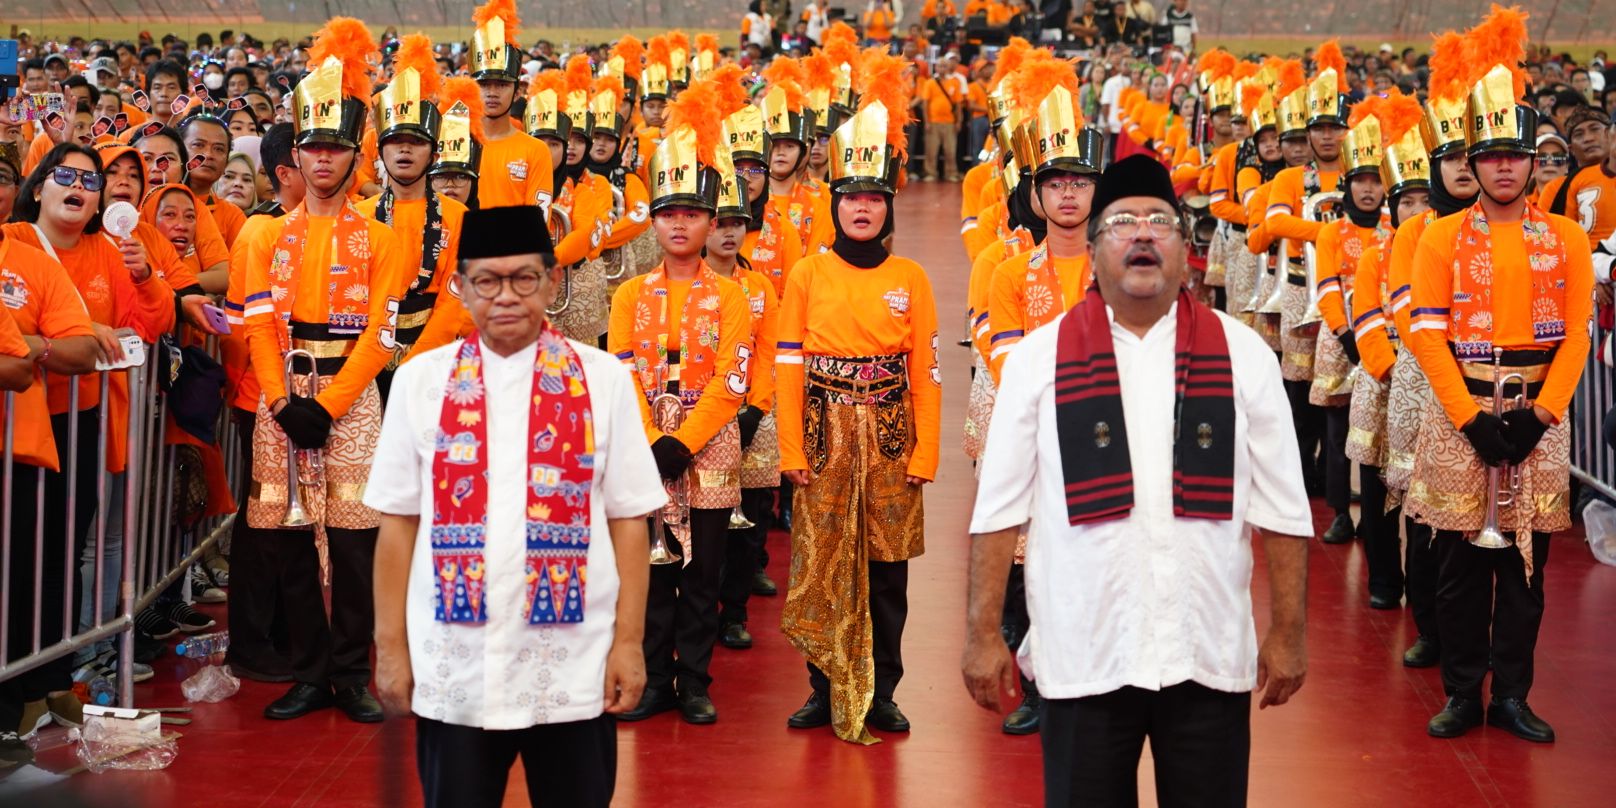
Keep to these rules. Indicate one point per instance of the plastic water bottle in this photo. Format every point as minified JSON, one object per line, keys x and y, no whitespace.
{"x":203,"y":646}
{"x":103,"y":692}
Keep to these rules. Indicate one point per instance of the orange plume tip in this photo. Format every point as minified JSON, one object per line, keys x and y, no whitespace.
{"x":1291,"y":78}
{"x":881,"y":79}
{"x":415,"y":50}
{"x":1498,"y":40}
{"x":729,"y":82}
{"x":463,"y":90}
{"x":1244,"y":70}
{"x":1010,"y":59}
{"x":1372,"y":105}
{"x":697,"y":107}
{"x":553,"y":80}
{"x":632,"y":52}
{"x":818,"y":71}
{"x":608,"y":84}
{"x":1249,"y":97}
{"x":657,"y":51}
{"x":1039,"y":77}
{"x":678,"y":40}
{"x":841,"y":44}
{"x":1218,"y":62}
{"x":1448,"y":68}
{"x":1399,"y":115}
{"x":580,"y":76}
{"x":789,"y":76}
{"x":351,"y":43}
{"x":506,"y":11}
{"x":1329,"y":57}
{"x":706,"y":42}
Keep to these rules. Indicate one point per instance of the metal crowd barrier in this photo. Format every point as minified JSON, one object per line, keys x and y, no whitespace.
{"x":1592,"y":462}
{"x":157,"y":550}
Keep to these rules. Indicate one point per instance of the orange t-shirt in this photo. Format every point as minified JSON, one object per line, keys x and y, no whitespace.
{"x":1012,"y":314}
{"x":834,"y":309}
{"x":514,"y":170}
{"x":1371,"y":311}
{"x":11,"y":343}
{"x":40,"y":297}
{"x":1591,"y":202}
{"x":1341,"y":245}
{"x":1147,"y":122}
{"x":1512,"y":321}
{"x":878,"y":25}
{"x":227,"y":216}
{"x":1226,"y":203}
{"x":37,"y":149}
{"x":941,"y":97}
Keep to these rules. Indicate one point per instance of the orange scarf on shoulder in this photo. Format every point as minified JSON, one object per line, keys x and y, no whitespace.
{"x":1470,"y":322}
{"x":348,"y":277}
{"x":698,"y":334}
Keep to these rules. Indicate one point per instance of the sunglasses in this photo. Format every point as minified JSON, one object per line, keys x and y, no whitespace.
{"x":1553,"y":159}
{"x":65,"y":175}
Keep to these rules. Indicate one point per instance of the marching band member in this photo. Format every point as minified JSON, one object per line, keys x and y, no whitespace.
{"x":584,"y":303}
{"x":326,"y":280}
{"x":859,"y":394}
{"x":685,"y":331}
{"x":803,"y":201}
{"x":627,"y":247}
{"x":774,"y":241}
{"x":992,"y":218}
{"x":515,"y":168}
{"x":1237,"y":170}
{"x":456,"y":165}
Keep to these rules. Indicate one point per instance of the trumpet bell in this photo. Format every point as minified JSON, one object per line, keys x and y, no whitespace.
{"x":738,"y":520}
{"x":296,"y":516}
{"x":661,"y":553}
{"x":1489,"y":538}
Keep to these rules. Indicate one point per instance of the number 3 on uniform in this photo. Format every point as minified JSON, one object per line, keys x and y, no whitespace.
{"x":388,"y":335}
{"x":936,"y":370}
{"x":736,"y":380}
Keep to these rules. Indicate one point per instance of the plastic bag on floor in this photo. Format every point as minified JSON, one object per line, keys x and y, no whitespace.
{"x":1599,"y":524}
{"x":114,"y":738}
{"x":212,"y":683}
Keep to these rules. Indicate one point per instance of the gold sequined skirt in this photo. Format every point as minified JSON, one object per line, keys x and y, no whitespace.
{"x":1366,"y":422}
{"x":760,"y":462}
{"x":715,"y":471}
{"x":1239,"y":275}
{"x":1406,"y":400}
{"x":1333,"y":378}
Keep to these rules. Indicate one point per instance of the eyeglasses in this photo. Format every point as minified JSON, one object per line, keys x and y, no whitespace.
{"x":1553,"y":159}
{"x":452,"y":180}
{"x":7,"y":180}
{"x":488,"y":287}
{"x":751,"y":172}
{"x":1062,"y":186}
{"x":1126,"y":226}
{"x":65,"y":175}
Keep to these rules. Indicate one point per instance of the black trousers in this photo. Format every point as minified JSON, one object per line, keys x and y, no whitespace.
{"x":1380,"y":535}
{"x":571,"y":764}
{"x":741,"y":551}
{"x":323,"y":651}
{"x":1420,"y":568}
{"x":889,"y":610}
{"x":681,"y":607}
{"x":1486,"y":608}
{"x":1309,"y":420}
{"x":1333,"y":456}
{"x":258,"y":639}
{"x":1200,"y":740}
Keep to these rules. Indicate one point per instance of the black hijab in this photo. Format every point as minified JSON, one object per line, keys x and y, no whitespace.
{"x":1444,"y":203}
{"x":1359,"y":216}
{"x":862,"y":254}
{"x":1021,"y":212}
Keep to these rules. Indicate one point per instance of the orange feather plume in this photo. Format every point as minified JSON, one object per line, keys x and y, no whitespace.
{"x":730,"y":82}
{"x":656,"y":51}
{"x":579,"y":74}
{"x":465,"y":91}
{"x":841,"y":44}
{"x":503,"y":9}
{"x":1372,"y":105}
{"x":706,"y":42}
{"x":1448,"y":68}
{"x":1398,"y":115}
{"x":1218,"y":61}
{"x":678,"y":40}
{"x":818,"y":72}
{"x":350,"y":41}
{"x":549,"y":80}
{"x":1329,"y":57}
{"x":1291,"y":79}
{"x":1251,"y":93}
{"x":788,"y":75}
{"x":608,"y":84}
{"x":1039,"y":76}
{"x":1244,"y":70}
{"x":632,"y":51}
{"x":698,"y":108}
{"x":1010,"y":58}
{"x":415,"y":50}
{"x":880,"y":78}
{"x":1498,"y":40}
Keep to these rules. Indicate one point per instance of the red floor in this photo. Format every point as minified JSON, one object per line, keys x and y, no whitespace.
{"x":1354,"y":735}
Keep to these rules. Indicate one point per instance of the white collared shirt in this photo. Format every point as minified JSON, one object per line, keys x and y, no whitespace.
{"x":507,"y":674}
{"x":1150,"y":600}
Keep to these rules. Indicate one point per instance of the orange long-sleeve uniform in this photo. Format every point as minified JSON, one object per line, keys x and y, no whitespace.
{"x":1183,"y":159}
{"x":1337,"y":267}
{"x":1013,"y":312}
{"x":808,"y":208}
{"x":979,"y":288}
{"x":718,"y":403}
{"x":1513,"y":299}
{"x":1400,"y":270}
{"x":366,"y":171}
{"x":515,"y":170}
{"x":1284,"y":216}
{"x":976,"y":177}
{"x":419,"y":313}
{"x":834,"y":309}
{"x":774,"y":254}
{"x":1222,"y":189}
{"x":1258,"y":239}
{"x":647,"y":138}
{"x":764,"y":305}
{"x":636,"y":216}
{"x":1591,"y":202}
{"x":389,"y":276}
{"x":1147,"y":123}
{"x":42,"y":301}
{"x":992,"y":225}
{"x":1371,"y":310}
{"x":237,"y":357}
{"x":588,"y":203}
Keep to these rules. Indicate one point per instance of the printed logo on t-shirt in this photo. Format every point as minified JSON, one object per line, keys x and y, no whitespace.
{"x":13,"y":289}
{"x":897,"y":301}
{"x":517,"y":169}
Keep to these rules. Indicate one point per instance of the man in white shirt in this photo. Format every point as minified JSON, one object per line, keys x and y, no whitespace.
{"x":1139,"y":556}
{"x":1110,"y":94}
{"x":817,"y":15}
{"x":509,"y":618}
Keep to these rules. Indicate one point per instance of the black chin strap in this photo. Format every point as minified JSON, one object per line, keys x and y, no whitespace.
{"x":309,"y":186}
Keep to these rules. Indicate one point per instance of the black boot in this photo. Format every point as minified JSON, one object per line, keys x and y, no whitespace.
{"x":1514,"y":717}
{"x":1424,"y":653}
{"x":652,"y":701}
{"x":735,"y":636}
{"x":694,"y":705}
{"x":1458,"y":716}
{"x":1341,"y":530}
{"x":1024,"y":719}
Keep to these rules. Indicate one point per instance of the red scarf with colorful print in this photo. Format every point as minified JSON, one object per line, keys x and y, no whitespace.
{"x":560,"y":472}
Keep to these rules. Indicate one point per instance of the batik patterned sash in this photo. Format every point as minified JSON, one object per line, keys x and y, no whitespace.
{"x":698,"y":334}
{"x":347,"y":279}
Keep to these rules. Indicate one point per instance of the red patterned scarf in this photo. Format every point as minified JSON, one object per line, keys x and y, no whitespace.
{"x":561,"y":469}
{"x":1093,"y":431}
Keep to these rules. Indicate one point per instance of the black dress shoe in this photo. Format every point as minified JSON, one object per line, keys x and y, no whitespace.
{"x":1458,"y":716}
{"x":652,"y":702}
{"x":359,"y":705}
{"x":815,"y":712}
{"x":1024,"y":719}
{"x":1384,"y":602}
{"x":1515,"y":718}
{"x":735,"y":636}
{"x":301,"y":700}
{"x":695,"y":707}
{"x":1341,"y":530}
{"x":763,"y":585}
{"x":1424,"y":653}
{"x":884,"y":715}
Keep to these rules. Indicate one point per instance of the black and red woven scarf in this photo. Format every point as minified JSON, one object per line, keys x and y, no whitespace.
{"x":1093,"y":431}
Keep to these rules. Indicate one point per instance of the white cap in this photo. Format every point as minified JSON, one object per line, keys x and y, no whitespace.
{"x":1385,"y":46}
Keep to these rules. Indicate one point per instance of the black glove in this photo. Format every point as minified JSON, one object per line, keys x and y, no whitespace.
{"x":305,"y":422}
{"x":672,"y":458}
{"x":1525,"y":430}
{"x":749,"y":418}
{"x":1489,"y":435}
{"x":1349,"y":346}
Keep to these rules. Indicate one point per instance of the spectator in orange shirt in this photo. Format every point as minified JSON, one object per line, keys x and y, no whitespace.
{"x":878,"y":22}
{"x":941,"y":99}
{"x":207,"y":142}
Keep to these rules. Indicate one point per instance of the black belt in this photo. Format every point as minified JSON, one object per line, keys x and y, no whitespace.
{"x":318,"y":331}
{"x":413,"y":303}
{"x":1238,"y":228}
{"x":326,"y":366}
{"x":1295,"y":279}
{"x":1512,"y":358}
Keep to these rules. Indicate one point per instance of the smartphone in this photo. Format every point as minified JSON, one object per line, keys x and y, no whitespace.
{"x":9,"y":80}
{"x":216,"y":318}
{"x":134,"y":351}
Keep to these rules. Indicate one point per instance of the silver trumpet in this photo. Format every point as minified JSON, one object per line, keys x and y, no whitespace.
{"x":738,"y":520}
{"x":1310,"y":259}
{"x":560,"y":226}
{"x":616,"y":258}
{"x":1503,"y":481}
{"x":1281,"y":270}
{"x":296,"y":514}
{"x":668,"y":413}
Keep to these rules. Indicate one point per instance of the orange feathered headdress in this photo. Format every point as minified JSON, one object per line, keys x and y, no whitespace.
{"x":1291,"y":78}
{"x":706,"y":42}
{"x":506,"y":11}
{"x":1329,"y":57}
{"x":350,"y":42}
{"x":1009,"y":59}
{"x":880,"y":77}
{"x":1448,"y":69}
{"x":632,"y":52}
{"x":840,"y":43}
{"x":1372,"y":105}
{"x":678,"y":40}
{"x":818,"y":71}
{"x":1251,"y":92}
{"x":1244,"y":70}
{"x":607,"y":84}
{"x":697,"y":107}
{"x":1498,"y":40}
{"x":1218,"y":62}
{"x":729,"y":82}
{"x":1399,"y":114}
{"x":1039,"y":76}
{"x":464,"y":90}
{"x":788,"y":75}
{"x":415,"y":50}
{"x":580,"y":76}
{"x":554,"y":80}
{"x":656,"y":51}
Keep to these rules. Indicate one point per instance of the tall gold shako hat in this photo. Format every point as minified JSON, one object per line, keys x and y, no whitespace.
{"x":678,"y":61}
{"x":866,"y":150}
{"x":1217,"y":78}
{"x":841,"y":45}
{"x":1291,"y":95}
{"x":627,"y":62}
{"x":460,"y":137}
{"x":654,"y":77}
{"x":683,"y":167}
{"x":1000,"y":99}
{"x":1327,"y":99}
{"x":1443,"y":127}
{"x":543,"y":116}
{"x":331,"y":103}
{"x":705,"y":60}
{"x":819,"y":77}
{"x":1404,"y":165}
{"x":1361,"y":149}
{"x":405,"y":106}
{"x":1059,"y":140}
{"x":743,"y":122}
{"x":576,"y":105}
{"x":1495,"y":120}
{"x":606,"y":107}
{"x":494,"y":52}
{"x":785,"y":116}
{"x":1257,"y":105}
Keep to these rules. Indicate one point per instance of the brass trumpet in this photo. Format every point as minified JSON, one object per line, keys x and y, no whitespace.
{"x":560,"y":226}
{"x":1503,"y":481}
{"x":668,"y":413}
{"x":1310,"y":258}
{"x":296,"y":514}
{"x":1281,"y":270}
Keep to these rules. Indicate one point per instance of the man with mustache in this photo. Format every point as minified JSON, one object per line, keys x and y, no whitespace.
{"x":1141,"y":383}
